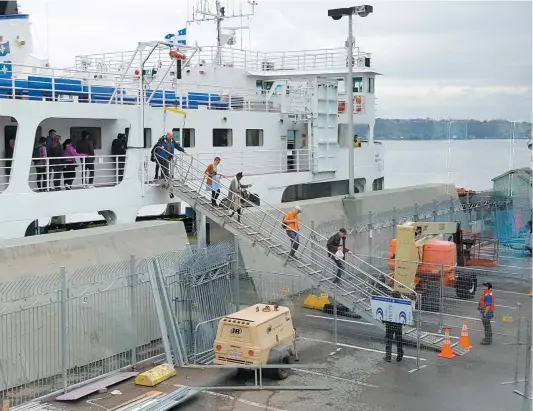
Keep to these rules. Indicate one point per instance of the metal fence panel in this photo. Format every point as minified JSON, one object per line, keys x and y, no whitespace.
{"x":63,"y":329}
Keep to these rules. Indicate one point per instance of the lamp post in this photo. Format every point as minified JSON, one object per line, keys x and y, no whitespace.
{"x":337,"y":14}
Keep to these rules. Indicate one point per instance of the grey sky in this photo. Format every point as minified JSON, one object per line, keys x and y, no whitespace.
{"x":439,"y":59}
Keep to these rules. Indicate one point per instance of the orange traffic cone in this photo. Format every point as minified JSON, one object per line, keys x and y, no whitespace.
{"x":463,"y":341}
{"x":446,"y":349}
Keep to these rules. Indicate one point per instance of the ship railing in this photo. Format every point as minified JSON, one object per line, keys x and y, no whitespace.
{"x":302,"y":60}
{"x":26,"y":82}
{"x":67,"y":173}
{"x":6,"y":165}
{"x":66,"y":85}
{"x":257,"y":162}
{"x":249,"y":162}
{"x":319,"y":59}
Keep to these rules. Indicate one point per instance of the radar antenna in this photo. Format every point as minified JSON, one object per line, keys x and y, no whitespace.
{"x":225,"y":35}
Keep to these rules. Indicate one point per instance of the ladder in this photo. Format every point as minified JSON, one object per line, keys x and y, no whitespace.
{"x":184,"y":177}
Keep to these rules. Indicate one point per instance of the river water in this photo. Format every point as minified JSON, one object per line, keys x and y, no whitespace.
{"x":470,"y":164}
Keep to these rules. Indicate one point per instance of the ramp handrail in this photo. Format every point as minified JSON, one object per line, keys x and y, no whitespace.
{"x":193,"y":175}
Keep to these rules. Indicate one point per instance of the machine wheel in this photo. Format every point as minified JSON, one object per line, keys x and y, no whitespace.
{"x":466,"y":286}
{"x":283,"y":373}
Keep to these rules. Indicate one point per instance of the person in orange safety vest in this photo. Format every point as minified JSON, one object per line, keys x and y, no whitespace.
{"x":486,"y":308}
{"x":291,"y":226}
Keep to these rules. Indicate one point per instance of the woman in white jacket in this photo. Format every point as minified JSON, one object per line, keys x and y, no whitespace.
{"x":235,"y":195}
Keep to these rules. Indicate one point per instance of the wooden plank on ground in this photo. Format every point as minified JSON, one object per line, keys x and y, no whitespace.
{"x":95,"y":386}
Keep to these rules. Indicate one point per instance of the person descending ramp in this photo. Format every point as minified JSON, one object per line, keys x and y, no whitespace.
{"x":263,"y":229}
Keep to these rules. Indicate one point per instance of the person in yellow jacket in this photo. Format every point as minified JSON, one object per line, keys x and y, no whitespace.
{"x":356,"y":142}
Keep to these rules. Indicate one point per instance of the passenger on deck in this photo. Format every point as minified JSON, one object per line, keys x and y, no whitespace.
{"x":39,"y":159}
{"x":85,"y":146}
{"x":212,"y":182}
{"x":50,"y":138}
{"x":9,"y":155}
{"x":356,"y":141}
{"x":55,"y":151}
{"x":70,"y":163}
{"x":118,"y":149}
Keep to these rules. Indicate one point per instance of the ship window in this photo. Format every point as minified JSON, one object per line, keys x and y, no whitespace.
{"x":176,"y":135}
{"x":377,"y":184}
{"x":95,"y":135}
{"x":342,"y":86}
{"x":222,"y":137}
{"x":358,"y":84}
{"x":254,"y":138}
{"x":147,"y":138}
{"x":188,"y":137}
{"x":371,"y":85}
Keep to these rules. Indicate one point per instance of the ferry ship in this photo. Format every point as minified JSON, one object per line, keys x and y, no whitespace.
{"x":279,"y":117}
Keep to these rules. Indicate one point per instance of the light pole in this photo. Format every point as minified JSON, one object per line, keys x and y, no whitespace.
{"x":337,"y":14}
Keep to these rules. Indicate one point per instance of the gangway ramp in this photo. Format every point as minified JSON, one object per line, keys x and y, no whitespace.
{"x":261,"y":226}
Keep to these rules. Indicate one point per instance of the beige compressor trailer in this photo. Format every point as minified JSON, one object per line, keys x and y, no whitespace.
{"x":257,"y":335}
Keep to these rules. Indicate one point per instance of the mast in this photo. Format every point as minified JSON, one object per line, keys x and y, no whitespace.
{"x":219,"y":25}
{"x":202,"y":12}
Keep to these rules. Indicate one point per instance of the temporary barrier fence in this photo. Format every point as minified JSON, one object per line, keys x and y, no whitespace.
{"x":60,"y":330}
{"x":483,"y":213}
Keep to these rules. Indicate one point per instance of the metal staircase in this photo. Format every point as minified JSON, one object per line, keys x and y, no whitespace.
{"x":185,"y":177}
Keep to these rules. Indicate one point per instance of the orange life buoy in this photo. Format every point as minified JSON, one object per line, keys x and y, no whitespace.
{"x":358,"y":99}
{"x":175,"y":55}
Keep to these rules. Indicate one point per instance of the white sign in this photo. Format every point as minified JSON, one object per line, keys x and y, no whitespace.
{"x":395,"y":310}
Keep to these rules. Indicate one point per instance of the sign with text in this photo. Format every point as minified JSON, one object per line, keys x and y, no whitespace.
{"x":395,"y":310}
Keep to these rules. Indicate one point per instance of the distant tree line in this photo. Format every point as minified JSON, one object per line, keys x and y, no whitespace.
{"x":428,"y":129}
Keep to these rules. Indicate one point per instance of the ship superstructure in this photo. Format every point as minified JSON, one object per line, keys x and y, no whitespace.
{"x":279,"y":117}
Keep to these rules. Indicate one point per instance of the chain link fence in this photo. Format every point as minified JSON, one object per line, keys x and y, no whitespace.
{"x":486,"y":213}
{"x":60,"y":330}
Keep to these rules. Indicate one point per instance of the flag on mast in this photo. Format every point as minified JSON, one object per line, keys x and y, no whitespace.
{"x":178,"y":38}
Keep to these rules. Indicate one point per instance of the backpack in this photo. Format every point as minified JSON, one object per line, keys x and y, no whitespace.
{"x":152,"y":152}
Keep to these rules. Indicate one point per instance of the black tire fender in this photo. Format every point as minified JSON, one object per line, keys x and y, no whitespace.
{"x":464,"y":284}
{"x":277,"y":353}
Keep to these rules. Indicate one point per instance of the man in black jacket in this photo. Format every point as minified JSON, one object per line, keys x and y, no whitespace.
{"x":118,"y":149}
{"x":336,"y":243}
{"x":393,"y":331}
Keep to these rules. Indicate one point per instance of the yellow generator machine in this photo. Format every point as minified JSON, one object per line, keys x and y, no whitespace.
{"x":422,"y":252}
{"x":260,"y":334}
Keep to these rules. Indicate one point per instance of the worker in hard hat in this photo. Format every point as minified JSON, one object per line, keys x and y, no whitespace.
{"x":486,"y":309}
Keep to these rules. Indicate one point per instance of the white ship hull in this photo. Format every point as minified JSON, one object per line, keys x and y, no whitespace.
{"x":283,"y":124}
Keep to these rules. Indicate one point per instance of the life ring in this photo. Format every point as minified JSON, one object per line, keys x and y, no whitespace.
{"x":175,"y":55}
{"x":341,"y":106}
{"x":358,"y":99}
